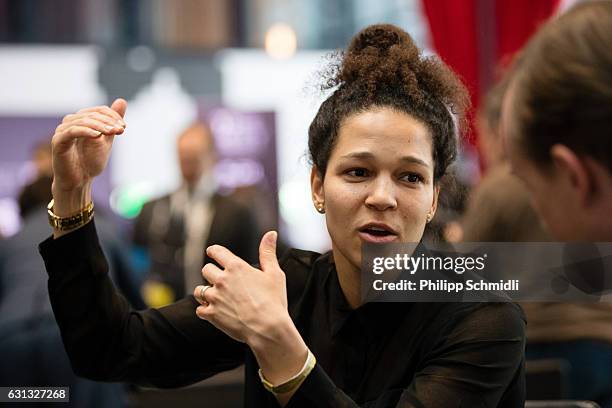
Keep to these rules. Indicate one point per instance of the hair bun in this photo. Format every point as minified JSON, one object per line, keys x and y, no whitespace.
{"x":378,"y":39}
{"x":382,"y":59}
{"x":380,"y":55}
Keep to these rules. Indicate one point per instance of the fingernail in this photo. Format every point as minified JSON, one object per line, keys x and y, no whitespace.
{"x":108,"y":128}
{"x":120,"y":124}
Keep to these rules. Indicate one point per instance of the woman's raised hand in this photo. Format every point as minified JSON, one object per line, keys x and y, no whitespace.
{"x":81,"y":148}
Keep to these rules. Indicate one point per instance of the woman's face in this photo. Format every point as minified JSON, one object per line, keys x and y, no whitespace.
{"x":379,"y":184}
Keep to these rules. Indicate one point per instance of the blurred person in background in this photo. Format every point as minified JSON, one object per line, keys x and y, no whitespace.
{"x":499,"y":207}
{"x":380,"y":144}
{"x":499,"y":210}
{"x":557,"y":125}
{"x":41,"y":158}
{"x":175,"y":228}
{"x":31,"y":347}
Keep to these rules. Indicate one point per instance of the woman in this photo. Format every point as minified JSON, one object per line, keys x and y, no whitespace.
{"x":557,"y":126}
{"x":379,"y":146}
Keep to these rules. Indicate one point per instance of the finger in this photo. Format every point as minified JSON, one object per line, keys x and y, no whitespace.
{"x":223,"y":256}
{"x":75,"y":132}
{"x":197,"y":294}
{"x":211,"y":273}
{"x":203,"y":312}
{"x":267,"y":251}
{"x":105,"y":110}
{"x":209,"y":295}
{"x":92,"y":123}
{"x":200,"y":293}
{"x":119,"y":106}
{"x":110,"y":120}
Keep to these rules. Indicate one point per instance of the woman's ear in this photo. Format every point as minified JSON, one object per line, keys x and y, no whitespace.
{"x":316,"y":187}
{"x":576,"y":176}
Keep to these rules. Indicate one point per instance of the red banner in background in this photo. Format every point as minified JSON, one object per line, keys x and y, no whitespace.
{"x":462,"y":30}
{"x":516,"y":21}
{"x":453,"y":28}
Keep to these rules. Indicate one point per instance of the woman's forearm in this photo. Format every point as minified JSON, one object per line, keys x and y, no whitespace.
{"x":107,"y":341}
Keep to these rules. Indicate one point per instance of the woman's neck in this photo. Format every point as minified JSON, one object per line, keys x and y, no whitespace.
{"x":349,"y":278}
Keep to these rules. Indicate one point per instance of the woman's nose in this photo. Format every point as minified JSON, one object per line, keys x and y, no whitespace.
{"x":381,"y":195}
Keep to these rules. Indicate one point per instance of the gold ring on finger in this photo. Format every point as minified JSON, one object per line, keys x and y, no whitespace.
{"x":203,"y":290}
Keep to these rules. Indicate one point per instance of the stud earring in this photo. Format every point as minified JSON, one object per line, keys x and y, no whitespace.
{"x":428,"y":218}
{"x":320,"y":209}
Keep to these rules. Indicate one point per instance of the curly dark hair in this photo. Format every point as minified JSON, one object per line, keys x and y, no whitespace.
{"x":382,"y":67}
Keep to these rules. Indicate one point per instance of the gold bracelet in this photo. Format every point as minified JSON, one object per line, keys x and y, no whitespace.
{"x":294,"y":381}
{"x":71,"y":222}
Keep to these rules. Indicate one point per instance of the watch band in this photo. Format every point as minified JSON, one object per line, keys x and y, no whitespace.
{"x":70,"y":222}
{"x":293,"y":382}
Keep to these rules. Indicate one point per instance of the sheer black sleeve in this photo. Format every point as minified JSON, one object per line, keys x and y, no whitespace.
{"x":107,"y":341}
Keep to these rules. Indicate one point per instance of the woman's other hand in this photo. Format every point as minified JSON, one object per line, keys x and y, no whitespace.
{"x":250,"y":305}
{"x":81,"y":148}
{"x":244,"y":302}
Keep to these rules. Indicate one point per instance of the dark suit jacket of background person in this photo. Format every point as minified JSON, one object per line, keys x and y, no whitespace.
{"x":232,"y":226}
{"x":31,"y":349}
{"x":446,"y":355}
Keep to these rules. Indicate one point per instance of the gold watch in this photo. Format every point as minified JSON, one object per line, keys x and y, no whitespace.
{"x":293,"y":382}
{"x":74,"y":221}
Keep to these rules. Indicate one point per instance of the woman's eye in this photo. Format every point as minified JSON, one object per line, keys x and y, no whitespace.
{"x":412,"y":178}
{"x":359,"y":172}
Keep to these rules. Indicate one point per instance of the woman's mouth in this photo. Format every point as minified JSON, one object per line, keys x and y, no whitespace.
{"x":378,"y":234}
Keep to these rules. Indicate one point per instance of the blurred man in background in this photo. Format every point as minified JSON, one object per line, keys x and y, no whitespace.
{"x":41,"y":158}
{"x":175,"y":229}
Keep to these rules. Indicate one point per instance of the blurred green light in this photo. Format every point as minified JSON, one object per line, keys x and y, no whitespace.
{"x":128,"y":201}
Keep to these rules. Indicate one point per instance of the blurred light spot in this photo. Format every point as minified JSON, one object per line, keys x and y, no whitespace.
{"x":10,"y":220}
{"x":280,"y":41}
{"x":141,"y":58}
{"x":157,"y":294}
{"x":128,"y":201}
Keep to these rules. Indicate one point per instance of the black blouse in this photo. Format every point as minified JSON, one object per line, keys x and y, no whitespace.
{"x":379,"y":355}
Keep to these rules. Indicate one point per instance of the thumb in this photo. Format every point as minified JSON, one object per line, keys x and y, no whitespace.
{"x":267,"y":251}
{"x":119,"y":106}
